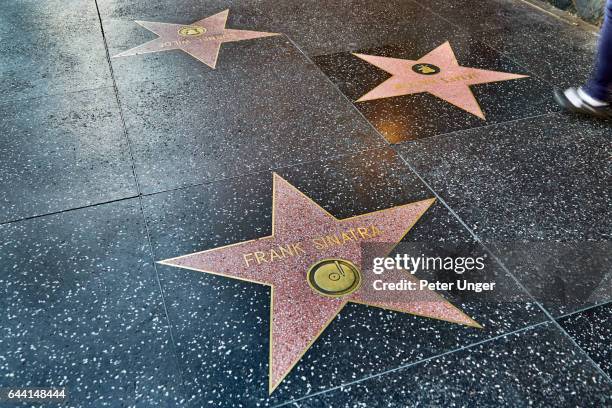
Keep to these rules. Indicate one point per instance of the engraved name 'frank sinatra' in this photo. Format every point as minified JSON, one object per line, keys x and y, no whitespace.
{"x":280,"y":252}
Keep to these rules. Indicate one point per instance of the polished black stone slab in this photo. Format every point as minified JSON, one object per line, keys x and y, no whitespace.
{"x":82,"y":309}
{"x":592,"y":330}
{"x":416,"y":116}
{"x":317,"y":27}
{"x":222,"y":325}
{"x":264,"y":106}
{"x":538,"y":367}
{"x":50,"y":47}
{"x":62,"y":152}
{"x":541,"y":179}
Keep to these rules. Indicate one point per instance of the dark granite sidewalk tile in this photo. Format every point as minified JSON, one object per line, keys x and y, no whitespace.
{"x":82,"y":309}
{"x":481,"y":15}
{"x":72,"y":16}
{"x":62,"y":152}
{"x":66,"y":54}
{"x":563,"y":276}
{"x":538,"y":367}
{"x":549,"y":52}
{"x":541,"y":181}
{"x":264,"y":106}
{"x":557,"y":163}
{"x":592,"y":330}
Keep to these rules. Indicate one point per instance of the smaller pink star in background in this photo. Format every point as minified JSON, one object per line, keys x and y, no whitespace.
{"x":451,"y":83}
{"x":202,"y":39}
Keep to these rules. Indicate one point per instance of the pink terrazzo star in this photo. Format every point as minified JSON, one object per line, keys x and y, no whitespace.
{"x":299,"y":314}
{"x":202,"y":39}
{"x":451,"y":82}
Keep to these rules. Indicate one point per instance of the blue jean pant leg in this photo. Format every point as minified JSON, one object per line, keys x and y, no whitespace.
{"x":599,"y":85}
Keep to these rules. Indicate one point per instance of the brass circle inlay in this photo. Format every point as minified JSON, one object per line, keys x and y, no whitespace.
{"x":334,"y":277}
{"x":191,"y":31}
{"x":425,"y":69}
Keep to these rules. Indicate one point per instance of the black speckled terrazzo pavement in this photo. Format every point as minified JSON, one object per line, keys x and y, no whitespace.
{"x":110,"y":165}
{"x":591,"y":330}
{"x":516,"y":370}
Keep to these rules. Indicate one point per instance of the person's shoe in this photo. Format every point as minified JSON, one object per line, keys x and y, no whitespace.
{"x":578,"y":101}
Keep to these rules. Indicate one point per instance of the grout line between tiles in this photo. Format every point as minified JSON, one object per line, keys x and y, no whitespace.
{"x":12,"y":101}
{"x":146,"y":224}
{"x":31,"y":217}
{"x":584,"y":309}
{"x":275,"y":168}
{"x":458,"y":131}
{"x":204,"y":183}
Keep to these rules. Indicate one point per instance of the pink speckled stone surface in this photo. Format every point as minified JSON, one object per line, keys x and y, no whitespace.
{"x":204,"y":47}
{"x":299,"y":314}
{"x":451,"y":84}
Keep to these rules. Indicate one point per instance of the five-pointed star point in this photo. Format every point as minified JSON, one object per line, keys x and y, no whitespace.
{"x":299,"y":314}
{"x":451,"y":84}
{"x":202,"y":42}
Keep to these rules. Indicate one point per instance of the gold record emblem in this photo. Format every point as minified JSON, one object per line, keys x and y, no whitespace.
{"x":191,"y":31}
{"x":425,"y":69}
{"x":334,"y":277}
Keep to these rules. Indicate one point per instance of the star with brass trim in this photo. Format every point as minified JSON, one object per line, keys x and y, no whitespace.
{"x":202,"y":39}
{"x":437,"y":73}
{"x":310,"y":252}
